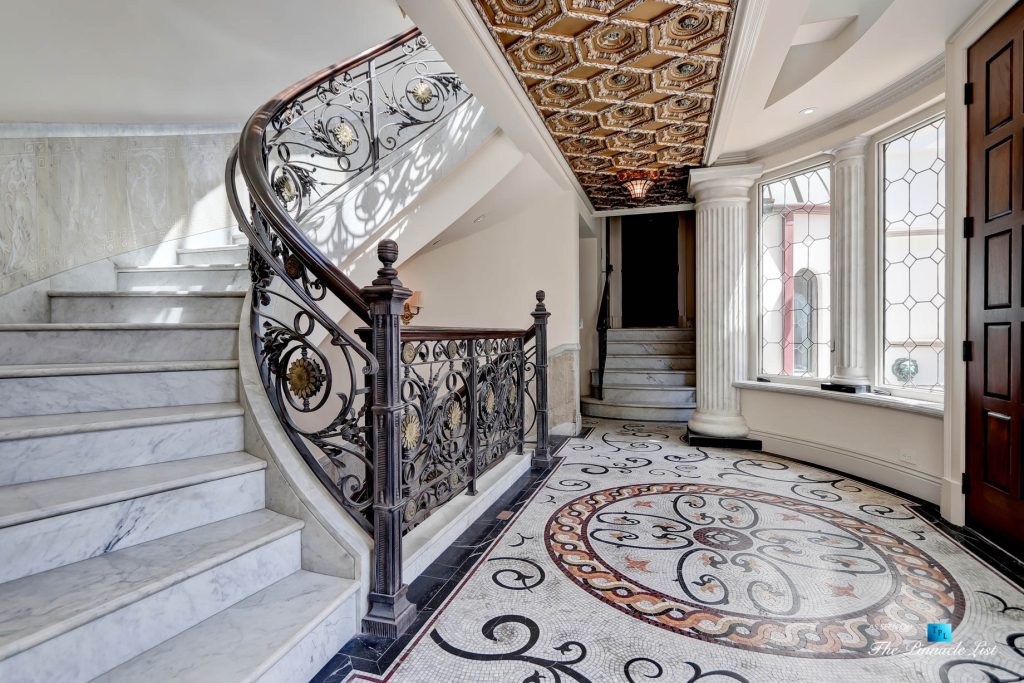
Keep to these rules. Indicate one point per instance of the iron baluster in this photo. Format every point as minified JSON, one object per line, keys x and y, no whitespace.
{"x":520,"y":395}
{"x":473,"y":394}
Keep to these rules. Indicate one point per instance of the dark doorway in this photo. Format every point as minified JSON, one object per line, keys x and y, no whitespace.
{"x":650,"y":270}
{"x":995,"y":301}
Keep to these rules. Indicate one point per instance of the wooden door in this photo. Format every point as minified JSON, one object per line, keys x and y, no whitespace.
{"x":995,"y":307}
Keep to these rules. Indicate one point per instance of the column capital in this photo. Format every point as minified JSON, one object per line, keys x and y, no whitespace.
{"x":724,"y":183}
{"x":851,"y":149}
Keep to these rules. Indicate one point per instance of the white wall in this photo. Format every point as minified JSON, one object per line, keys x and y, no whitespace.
{"x":195,"y":61}
{"x":895,"y":448}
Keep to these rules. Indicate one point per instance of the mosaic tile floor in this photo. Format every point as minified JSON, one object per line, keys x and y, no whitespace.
{"x":640,"y":558}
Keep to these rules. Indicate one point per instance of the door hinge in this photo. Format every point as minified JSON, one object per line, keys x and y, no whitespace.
{"x":968,"y":351}
{"x":965,"y":483}
{"x":968,"y":227}
{"x":968,"y":93}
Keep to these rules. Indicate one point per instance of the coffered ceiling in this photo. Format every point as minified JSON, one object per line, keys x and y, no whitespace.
{"x":622,"y":85}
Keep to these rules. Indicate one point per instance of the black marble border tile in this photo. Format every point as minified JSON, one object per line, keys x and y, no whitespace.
{"x":374,"y":655}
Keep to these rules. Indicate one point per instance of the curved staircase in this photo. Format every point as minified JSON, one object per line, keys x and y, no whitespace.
{"x":134,"y":536}
{"x":649,"y":375}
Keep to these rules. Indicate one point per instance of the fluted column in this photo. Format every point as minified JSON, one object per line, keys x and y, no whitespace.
{"x":849,"y":268}
{"x":723,"y":197}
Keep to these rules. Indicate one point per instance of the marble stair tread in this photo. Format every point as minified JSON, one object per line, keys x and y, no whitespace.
{"x":183,"y":268}
{"x":12,"y":428}
{"x":651,"y":387}
{"x":242,"y":643}
{"x":651,"y":355}
{"x":634,"y":404}
{"x":40,"y":607}
{"x":164,"y":294}
{"x":31,"y":501}
{"x":71,"y":327}
{"x":72,"y":369}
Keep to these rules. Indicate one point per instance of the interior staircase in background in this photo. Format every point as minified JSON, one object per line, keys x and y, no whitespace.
{"x":133,"y":531}
{"x":649,"y":376}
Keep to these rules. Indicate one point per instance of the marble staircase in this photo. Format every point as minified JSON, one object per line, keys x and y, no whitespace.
{"x":134,"y":537}
{"x":649,"y":376}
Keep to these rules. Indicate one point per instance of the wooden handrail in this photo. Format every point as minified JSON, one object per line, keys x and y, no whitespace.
{"x":443,"y":333}
{"x":254,"y":170}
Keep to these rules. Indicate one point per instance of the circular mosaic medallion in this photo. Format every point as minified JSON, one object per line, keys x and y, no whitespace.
{"x":751,"y":569}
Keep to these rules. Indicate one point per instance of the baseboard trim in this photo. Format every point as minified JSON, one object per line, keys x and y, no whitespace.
{"x":861,"y":465}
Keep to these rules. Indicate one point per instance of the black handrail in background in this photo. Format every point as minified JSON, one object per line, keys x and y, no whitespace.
{"x":397,"y":424}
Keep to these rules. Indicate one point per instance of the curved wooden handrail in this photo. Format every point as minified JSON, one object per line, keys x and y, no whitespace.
{"x":254,"y":170}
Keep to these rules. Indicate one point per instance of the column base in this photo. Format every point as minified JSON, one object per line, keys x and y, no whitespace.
{"x":697,"y":439}
{"x":389,"y":615}
{"x":846,"y":388}
{"x":723,"y":426}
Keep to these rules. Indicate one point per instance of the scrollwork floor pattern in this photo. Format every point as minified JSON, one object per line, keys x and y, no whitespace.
{"x":640,"y":558}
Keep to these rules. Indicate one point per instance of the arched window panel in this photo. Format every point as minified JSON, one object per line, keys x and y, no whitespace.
{"x":914,"y":257}
{"x":794,"y":266}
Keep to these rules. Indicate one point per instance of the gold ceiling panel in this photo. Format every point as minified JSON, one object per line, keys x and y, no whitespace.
{"x":623,"y":85}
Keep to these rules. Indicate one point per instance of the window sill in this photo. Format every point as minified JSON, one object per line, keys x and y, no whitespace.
{"x":909,"y":405}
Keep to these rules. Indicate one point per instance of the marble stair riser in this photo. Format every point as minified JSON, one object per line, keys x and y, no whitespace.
{"x":657,"y":396}
{"x":37,"y":546}
{"x":67,"y":455}
{"x":81,"y":592}
{"x":644,"y":412}
{"x":214,"y":256}
{"x":644,"y":335}
{"x":146,"y":308}
{"x":27,"y":396}
{"x":282,"y":634}
{"x":665,"y":378}
{"x":648,"y":362}
{"x":239,"y":238}
{"x":656,"y":348}
{"x":96,"y":647}
{"x":181,"y":280}
{"x":111,"y":344}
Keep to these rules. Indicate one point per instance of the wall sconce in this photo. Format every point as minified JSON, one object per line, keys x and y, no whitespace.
{"x":413,"y":302}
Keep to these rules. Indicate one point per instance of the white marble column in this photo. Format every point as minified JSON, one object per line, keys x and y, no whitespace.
{"x":849,"y":267}
{"x":723,"y":198}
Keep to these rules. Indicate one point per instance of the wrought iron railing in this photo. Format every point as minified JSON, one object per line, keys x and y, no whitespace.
{"x":603,"y":323}
{"x":400,"y":422}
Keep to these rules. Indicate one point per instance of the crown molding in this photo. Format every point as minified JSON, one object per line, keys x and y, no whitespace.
{"x":607,"y":213}
{"x":748,"y":18}
{"x":15,"y":130}
{"x":888,"y":95}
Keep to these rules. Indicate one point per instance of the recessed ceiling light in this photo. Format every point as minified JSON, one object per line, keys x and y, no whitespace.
{"x":808,"y":111}
{"x":479,"y":218}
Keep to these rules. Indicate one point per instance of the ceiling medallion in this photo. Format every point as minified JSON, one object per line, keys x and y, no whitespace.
{"x":545,"y":53}
{"x":638,"y":183}
{"x":691,"y":24}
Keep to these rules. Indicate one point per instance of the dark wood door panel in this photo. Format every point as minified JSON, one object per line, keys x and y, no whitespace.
{"x":999,"y":88}
{"x":999,"y":179}
{"x":998,"y":269}
{"x":995,"y":290}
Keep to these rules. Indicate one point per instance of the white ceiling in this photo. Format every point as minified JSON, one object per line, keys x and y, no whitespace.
{"x":183,"y":61}
{"x":831,"y":55}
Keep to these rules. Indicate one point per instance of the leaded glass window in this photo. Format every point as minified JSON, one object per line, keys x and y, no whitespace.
{"x":914,"y":257}
{"x":795,"y":263}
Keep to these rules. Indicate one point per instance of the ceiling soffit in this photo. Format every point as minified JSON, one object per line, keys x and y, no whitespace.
{"x":622,"y":85}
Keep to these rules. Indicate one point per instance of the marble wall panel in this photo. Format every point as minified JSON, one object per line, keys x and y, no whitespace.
{"x":70,"y":201}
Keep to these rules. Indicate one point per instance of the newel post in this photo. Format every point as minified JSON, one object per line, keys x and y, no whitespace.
{"x":390,"y":610}
{"x":541,"y":456}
